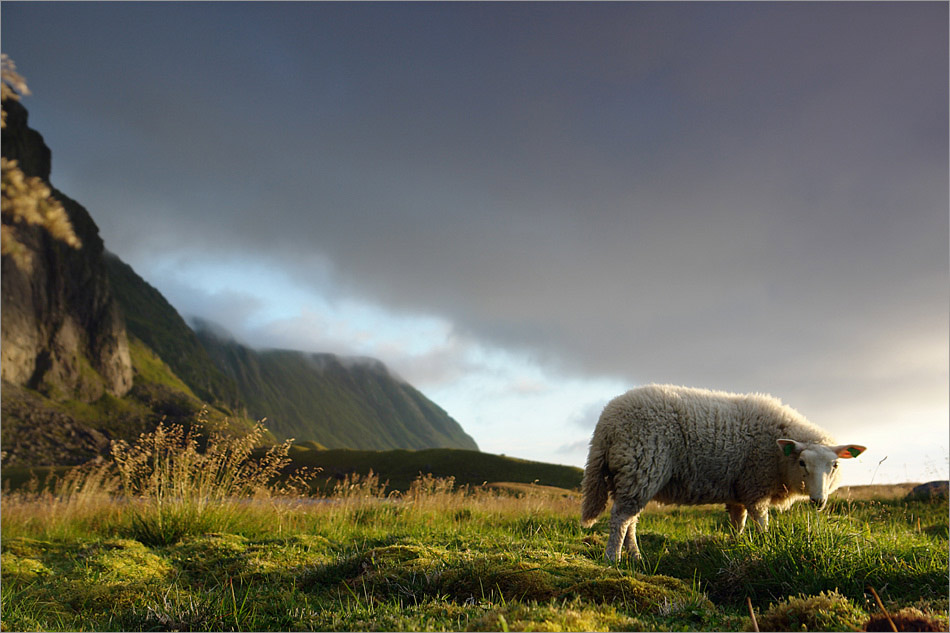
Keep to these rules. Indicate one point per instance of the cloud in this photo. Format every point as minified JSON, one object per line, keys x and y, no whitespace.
{"x":743,"y":196}
{"x":586,"y":417}
{"x":573,"y":447}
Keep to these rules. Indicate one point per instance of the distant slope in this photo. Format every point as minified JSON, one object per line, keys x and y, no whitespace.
{"x":400,"y":467}
{"x":340,"y":403}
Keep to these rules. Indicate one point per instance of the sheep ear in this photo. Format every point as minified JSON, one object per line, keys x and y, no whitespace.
{"x":848,"y":451}
{"x":789,"y":447}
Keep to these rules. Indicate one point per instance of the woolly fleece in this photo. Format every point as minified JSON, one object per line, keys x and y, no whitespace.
{"x":693,"y":446}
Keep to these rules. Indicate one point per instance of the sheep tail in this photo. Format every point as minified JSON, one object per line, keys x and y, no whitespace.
{"x":594,"y":487}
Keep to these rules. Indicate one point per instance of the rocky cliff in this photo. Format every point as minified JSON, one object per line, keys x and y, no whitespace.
{"x":62,"y":332}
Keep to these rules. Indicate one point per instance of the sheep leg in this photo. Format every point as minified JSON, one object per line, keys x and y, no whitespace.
{"x":630,"y":540}
{"x":623,"y":532}
{"x":737,"y":515}
{"x":760,"y":516}
{"x":633,"y":489}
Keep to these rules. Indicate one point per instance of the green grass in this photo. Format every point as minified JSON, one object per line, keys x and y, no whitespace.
{"x":898,"y":547}
{"x":477,"y":562}
{"x":150,"y":368}
{"x":437,"y":557}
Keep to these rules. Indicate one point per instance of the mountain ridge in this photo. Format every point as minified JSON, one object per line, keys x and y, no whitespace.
{"x":93,"y":353}
{"x":357,"y":402}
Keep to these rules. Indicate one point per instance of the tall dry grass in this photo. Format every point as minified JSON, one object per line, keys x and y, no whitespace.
{"x":81,"y":500}
{"x":432,"y":495}
{"x":168,"y":484}
{"x":172,"y":483}
{"x":175,"y":489}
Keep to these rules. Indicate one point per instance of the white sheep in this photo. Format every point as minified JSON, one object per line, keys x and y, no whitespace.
{"x":694,"y":446}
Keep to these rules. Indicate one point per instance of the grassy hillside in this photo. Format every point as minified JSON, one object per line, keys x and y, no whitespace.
{"x":336,"y":402}
{"x":318,"y":397}
{"x":401,"y":467}
{"x":154,"y":321}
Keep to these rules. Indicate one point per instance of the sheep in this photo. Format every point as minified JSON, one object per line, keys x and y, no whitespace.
{"x":695,"y":446}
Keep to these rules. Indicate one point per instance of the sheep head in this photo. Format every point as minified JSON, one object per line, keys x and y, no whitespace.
{"x":814,"y":467}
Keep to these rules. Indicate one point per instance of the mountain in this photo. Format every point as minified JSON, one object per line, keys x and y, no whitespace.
{"x":91,"y":353}
{"x":339,"y":402}
{"x":73,"y":377}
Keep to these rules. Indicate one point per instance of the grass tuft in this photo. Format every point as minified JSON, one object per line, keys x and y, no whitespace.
{"x":176,"y":489}
{"x":807,"y":553}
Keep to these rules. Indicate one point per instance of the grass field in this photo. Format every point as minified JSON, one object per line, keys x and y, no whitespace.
{"x":89,"y":555}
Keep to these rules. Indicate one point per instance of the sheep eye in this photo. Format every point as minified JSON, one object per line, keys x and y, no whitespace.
{"x":801,"y":463}
{"x":834,"y":465}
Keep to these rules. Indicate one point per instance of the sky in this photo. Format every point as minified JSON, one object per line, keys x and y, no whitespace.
{"x":526,"y":209}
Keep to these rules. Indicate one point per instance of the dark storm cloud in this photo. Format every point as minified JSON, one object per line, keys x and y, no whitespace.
{"x":746,"y":196}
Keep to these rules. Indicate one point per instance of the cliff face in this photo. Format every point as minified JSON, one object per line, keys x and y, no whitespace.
{"x":62,"y":333}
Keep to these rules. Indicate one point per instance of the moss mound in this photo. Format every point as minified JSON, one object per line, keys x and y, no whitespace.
{"x":827,"y":611}
{"x":538,"y":577}
{"x":123,"y":561}
{"x":22,"y":568}
{"x":231,"y":555}
{"x":22,"y":559}
{"x":482,"y":578}
{"x":573,"y":616}
{"x":641,"y":592}
{"x":207,"y":554}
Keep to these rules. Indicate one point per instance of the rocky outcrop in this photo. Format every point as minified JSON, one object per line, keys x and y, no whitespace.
{"x":36,"y":433}
{"x":62,"y":332}
{"x":930,"y":491}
